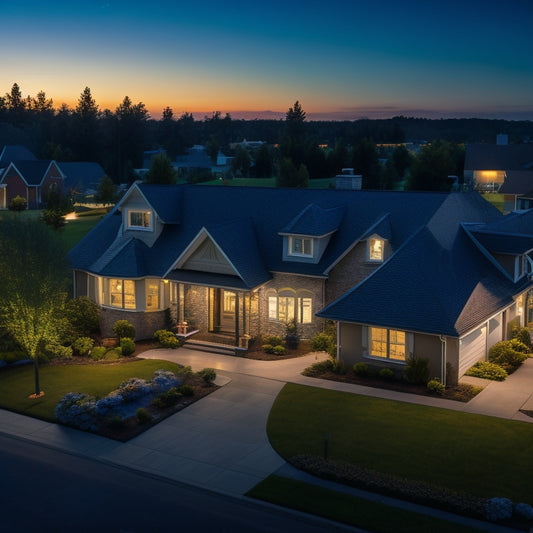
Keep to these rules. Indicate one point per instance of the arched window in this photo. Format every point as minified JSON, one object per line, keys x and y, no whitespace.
{"x":288,"y":304}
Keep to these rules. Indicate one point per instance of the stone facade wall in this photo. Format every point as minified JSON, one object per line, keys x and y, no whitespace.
{"x":145,"y":322}
{"x":350,"y":271}
{"x":296,"y":283}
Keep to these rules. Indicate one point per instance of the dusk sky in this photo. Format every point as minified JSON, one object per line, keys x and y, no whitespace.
{"x":340,"y":59}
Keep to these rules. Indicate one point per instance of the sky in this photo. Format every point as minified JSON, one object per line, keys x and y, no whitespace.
{"x":341,"y":59}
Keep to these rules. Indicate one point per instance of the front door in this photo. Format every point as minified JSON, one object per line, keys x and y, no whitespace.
{"x":223,"y":311}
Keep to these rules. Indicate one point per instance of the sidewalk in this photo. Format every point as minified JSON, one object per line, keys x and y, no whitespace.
{"x":220,"y":443}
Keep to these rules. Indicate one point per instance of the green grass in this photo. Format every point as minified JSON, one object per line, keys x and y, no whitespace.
{"x":16,"y":384}
{"x":77,"y":228}
{"x":495,"y":199}
{"x":481,"y":455}
{"x":349,"y":509}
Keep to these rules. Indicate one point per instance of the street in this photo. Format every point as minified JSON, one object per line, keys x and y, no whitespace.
{"x":50,"y":491}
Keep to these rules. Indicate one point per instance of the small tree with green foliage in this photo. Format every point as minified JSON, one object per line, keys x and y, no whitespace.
{"x":18,"y":204}
{"x":33,"y":271}
{"x":106,"y":191}
{"x":161,"y":171}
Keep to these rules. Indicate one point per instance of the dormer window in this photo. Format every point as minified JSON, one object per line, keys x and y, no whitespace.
{"x":139,"y":220}
{"x":376,"y":249}
{"x":301,"y":246}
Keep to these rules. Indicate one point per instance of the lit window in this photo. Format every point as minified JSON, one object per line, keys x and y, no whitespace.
{"x":152,"y":294}
{"x":375,"y":249}
{"x":229,"y":302}
{"x":387,"y":343}
{"x":140,"y":219}
{"x":301,"y":246}
{"x":122,"y":293}
{"x":285,"y":308}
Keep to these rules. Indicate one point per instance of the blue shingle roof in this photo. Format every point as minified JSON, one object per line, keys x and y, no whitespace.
{"x":315,"y":221}
{"x":32,"y":171}
{"x":434,"y":274}
{"x":15,"y":152}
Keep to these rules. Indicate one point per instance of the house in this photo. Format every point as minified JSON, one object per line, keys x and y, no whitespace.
{"x":81,"y":177}
{"x":487,"y":165}
{"x":517,"y":183}
{"x":443,"y":276}
{"x":30,"y":179}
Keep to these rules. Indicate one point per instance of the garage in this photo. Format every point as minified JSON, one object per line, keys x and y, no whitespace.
{"x":472,"y":348}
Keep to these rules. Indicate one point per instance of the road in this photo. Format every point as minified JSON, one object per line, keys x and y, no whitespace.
{"x":46,"y":490}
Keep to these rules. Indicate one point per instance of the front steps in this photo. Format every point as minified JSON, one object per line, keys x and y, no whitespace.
{"x":214,"y":347}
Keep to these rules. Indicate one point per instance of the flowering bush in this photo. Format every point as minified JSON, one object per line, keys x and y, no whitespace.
{"x":134,"y":388}
{"x":525,"y":510}
{"x":498,"y":509}
{"x":164,"y":380}
{"x":109,"y":405}
{"x":77,"y":410}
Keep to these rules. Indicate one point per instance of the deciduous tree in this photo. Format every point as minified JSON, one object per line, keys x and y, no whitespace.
{"x":33,"y":272}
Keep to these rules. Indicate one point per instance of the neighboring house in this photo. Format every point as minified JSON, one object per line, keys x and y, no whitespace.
{"x":82,"y":177}
{"x":197,"y":158}
{"x":14,"y":152}
{"x":517,"y":183}
{"x":487,"y":165}
{"x":441,"y":276}
{"x":30,"y":179}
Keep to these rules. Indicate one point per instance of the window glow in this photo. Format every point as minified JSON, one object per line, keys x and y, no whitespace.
{"x":122,"y":293}
{"x":140,"y":219}
{"x":152,"y":294}
{"x":375,"y":249}
{"x":387,"y":343}
{"x":301,"y":246}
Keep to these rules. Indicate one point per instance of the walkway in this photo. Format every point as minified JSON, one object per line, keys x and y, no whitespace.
{"x":220,"y":443}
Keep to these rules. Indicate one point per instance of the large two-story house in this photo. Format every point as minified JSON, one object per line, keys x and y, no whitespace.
{"x":442,"y":276}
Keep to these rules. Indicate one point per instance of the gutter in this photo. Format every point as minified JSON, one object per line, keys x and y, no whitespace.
{"x":443,"y":359}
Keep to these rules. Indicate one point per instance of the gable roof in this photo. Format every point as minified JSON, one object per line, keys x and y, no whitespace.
{"x":81,"y":175}
{"x":15,"y":152}
{"x":32,"y":172}
{"x":314,"y":221}
{"x":499,"y":157}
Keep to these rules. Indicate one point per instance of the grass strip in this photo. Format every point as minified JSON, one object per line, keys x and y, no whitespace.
{"x":349,"y":509}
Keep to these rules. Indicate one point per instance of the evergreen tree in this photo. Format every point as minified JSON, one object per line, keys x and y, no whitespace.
{"x":161,"y":171}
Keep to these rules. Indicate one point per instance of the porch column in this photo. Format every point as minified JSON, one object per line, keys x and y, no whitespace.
{"x":237,"y":318}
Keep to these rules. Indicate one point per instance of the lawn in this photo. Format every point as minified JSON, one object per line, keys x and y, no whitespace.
{"x":480,"y":455}
{"x":77,"y":228}
{"x":349,"y":509}
{"x":17,"y":383}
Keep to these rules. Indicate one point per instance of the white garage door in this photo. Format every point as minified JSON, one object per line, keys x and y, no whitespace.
{"x":472,"y":348}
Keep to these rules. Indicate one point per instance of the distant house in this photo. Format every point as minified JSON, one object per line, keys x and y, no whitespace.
{"x":517,"y":183}
{"x":82,"y":177}
{"x":30,"y":179}
{"x":12,"y":153}
{"x":197,"y":159}
{"x":440,"y":276}
{"x":487,"y":165}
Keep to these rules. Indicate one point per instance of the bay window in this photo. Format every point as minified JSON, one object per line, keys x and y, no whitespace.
{"x":121,"y":293}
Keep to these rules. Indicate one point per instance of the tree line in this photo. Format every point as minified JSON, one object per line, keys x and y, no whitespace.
{"x":295,"y":148}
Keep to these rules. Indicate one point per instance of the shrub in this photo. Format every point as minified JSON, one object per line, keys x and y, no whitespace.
{"x":319,"y":368}
{"x":434,"y":385}
{"x":18,"y":204}
{"x":524,"y":336}
{"x":109,"y":405}
{"x":98,"y":353}
{"x":56,"y":351}
{"x":273,"y":340}
{"x":53,"y":218}
{"x":279,"y":350}
{"x":166,"y":338}
{"x":77,"y":410}
{"x":321,"y":342}
{"x":186,"y":390}
{"x":508,"y":354}
{"x":133,"y":388}
{"x":167,"y":398}
{"x":164,"y":380}
{"x":268,"y":348}
{"x":208,"y":374}
{"x":292,"y":338}
{"x":143,"y":416}
{"x":82,"y":346}
{"x":124,"y":328}
{"x":115,"y":422}
{"x":497,"y":509}
{"x":524,"y":510}
{"x":360,"y":369}
{"x":416,"y":369}
{"x":113,"y":354}
{"x":127,"y":346}
{"x":386,"y":373}
{"x":487,"y":370}
{"x":83,"y":316}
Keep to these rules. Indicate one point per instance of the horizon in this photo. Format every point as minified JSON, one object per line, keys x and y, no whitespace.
{"x":345,"y":61}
